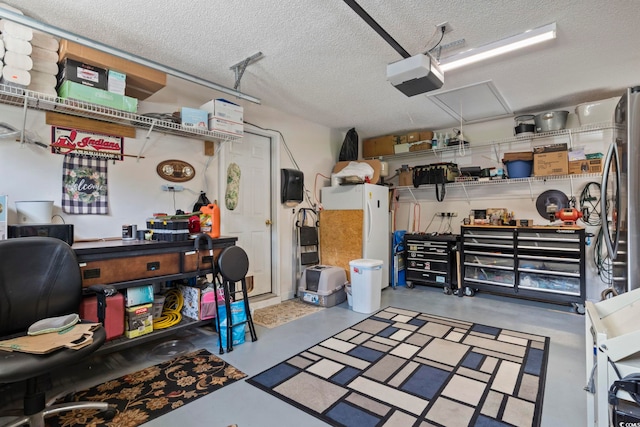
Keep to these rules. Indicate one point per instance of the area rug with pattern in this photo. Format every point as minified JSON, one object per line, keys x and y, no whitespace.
{"x":282,"y":313}
{"x":404,"y":368}
{"x":151,"y":392}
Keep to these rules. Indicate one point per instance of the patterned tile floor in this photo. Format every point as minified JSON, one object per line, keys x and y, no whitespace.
{"x":247,"y":406}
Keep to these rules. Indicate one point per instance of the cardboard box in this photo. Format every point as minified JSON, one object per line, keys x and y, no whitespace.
{"x":138,"y":320}
{"x":401,"y":139}
{"x":194,"y":118}
{"x":406,"y":178}
{"x":401,"y":148}
{"x":138,"y":295}
{"x":225,"y":126}
{"x":225,"y":110}
{"x":142,"y":81}
{"x":525,"y":222}
{"x":522,"y":155}
{"x":551,"y":148}
{"x":426,"y":145}
{"x":551,"y":163}
{"x":413,"y":137}
{"x":426,"y":135}
{"x":79,"y":72}
{"x":585,"y":166}
{"x":80,"y":92}
{"x":378,"y":146}
{"x":116,"y":82}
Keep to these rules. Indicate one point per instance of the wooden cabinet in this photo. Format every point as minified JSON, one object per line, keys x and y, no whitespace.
{"x":542,"y":263}
{"x":125,"y":264}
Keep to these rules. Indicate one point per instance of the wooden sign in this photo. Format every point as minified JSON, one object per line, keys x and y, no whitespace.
{"x":67,"y":140}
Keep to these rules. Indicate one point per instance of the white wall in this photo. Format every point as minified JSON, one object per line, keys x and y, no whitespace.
{"x":29,"y":172}
{"x":416,"y":207}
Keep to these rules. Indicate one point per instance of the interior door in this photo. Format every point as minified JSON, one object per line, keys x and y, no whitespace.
{"x":248,"y":217}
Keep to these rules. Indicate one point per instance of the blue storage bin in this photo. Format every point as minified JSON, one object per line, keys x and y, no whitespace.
{"x":519,"y":168}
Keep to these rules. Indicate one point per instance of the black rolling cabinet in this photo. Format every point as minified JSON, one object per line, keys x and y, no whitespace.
{"x":541,"y":263}
{"x":432,"y":260}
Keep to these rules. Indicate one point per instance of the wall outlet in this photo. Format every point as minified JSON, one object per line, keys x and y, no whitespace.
{"x":172,"y":188}
{"x":447,"y":214}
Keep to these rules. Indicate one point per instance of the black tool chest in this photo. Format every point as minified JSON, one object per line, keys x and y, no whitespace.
{"x":431,"y":260}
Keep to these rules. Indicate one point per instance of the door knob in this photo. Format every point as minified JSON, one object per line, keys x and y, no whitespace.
{"x":268,"y":222}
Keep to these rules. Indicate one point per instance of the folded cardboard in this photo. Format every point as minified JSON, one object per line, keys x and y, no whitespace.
{"x":585,"y":166}
{"x":80,"y":92}
{"x":521,"y":155}
{"x":142,"y":81}
{"x":76,"y":337}
{"x":551,"y":163}
{"x":551,"y":148}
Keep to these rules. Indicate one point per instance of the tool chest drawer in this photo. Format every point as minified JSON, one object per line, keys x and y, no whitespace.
{"x":430,"y":259}
{"x":129,"y":268}
{"x":191,"y":263}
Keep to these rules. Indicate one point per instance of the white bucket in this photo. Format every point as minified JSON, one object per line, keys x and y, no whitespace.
{"x":35,"y":212}
{"x":366,"y":285}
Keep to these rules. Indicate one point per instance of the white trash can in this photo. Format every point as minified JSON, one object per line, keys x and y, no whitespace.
{"x":366,"y":285}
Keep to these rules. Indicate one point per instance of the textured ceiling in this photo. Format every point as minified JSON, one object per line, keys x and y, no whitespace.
{"x":323,"y":63}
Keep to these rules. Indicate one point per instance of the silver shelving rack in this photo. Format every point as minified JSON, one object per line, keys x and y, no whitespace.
{"x":27,"y":99}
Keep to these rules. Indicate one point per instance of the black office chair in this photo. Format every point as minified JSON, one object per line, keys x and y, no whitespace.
{"x":233,"y":265}
{"x":39,"y":279}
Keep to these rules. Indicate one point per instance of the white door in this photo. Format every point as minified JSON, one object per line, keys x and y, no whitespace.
{"x":250,"y":219}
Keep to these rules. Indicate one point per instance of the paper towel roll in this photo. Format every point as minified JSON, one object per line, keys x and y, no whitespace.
{"x":40,"y":54}
{"x":43,"y":79}
{"x":46,"y":67}
{"x":16,"y":76}
{"x":13,"y":44}
{"x":44,"y":41}
{"x":17,"y":60}
{"x":47,"y":90}
{"x":13,"y":29}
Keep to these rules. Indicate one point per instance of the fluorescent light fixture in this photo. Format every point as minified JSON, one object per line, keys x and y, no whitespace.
{"x":528,"y":38}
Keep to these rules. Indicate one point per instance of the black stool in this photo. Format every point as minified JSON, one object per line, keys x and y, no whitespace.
{"x":233,"y":265}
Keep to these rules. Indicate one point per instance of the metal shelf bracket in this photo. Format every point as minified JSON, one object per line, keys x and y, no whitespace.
{"x":241,"y":66}
{"x":146,"y":139}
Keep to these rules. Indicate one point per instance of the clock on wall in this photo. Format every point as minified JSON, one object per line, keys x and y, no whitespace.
{"x":175,"y":170}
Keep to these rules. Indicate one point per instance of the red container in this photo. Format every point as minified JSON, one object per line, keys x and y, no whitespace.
{"x":114,"y":316}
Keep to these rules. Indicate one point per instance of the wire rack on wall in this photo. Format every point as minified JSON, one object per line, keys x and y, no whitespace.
{"x":12,"y":95}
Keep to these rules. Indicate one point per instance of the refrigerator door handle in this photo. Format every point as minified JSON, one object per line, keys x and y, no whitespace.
{"x":369,"y":221}
{"x":612,"y":244}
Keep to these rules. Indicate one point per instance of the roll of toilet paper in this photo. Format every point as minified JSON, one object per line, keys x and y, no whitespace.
{"x":47,"y":90}
{"x":16,"y":76}
{"x":40,"y":54}
{"x":16,"y":30}
{"x":46,"y":67}
{"x":18,"y":60}
{"x":42,"y":79}
{"x":45,"y":41}
{"x":13,"y":44}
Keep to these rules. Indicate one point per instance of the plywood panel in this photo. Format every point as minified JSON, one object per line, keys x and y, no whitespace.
{"x":340,"y":237}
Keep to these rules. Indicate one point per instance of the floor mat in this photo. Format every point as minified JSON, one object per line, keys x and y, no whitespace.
{"x":405,"y":368}
{"x":282,"y":313}
{"x":152,"y":392}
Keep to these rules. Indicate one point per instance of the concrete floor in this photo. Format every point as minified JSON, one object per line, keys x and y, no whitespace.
{"x":247,"y":406}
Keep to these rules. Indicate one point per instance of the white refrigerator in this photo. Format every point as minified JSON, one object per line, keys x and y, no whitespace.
{"x":370,"y":203}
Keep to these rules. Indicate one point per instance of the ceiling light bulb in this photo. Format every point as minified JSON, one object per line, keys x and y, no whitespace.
{"x":528,"y":38}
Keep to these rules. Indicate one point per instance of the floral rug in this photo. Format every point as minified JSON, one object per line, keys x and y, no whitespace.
{"x":147,"y":394}
{"x":282,"y":313}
